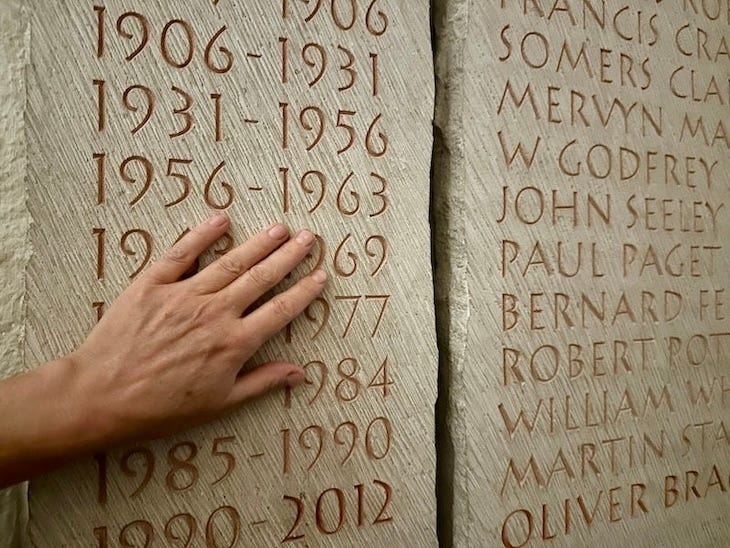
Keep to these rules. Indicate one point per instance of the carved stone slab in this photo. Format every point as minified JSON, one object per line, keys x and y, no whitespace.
{"x":146,"y":117}
{"x":590,"y":380}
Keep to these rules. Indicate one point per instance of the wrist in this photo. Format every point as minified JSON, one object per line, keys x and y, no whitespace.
{"x":47,"y":419}
{"x":68,"y":422}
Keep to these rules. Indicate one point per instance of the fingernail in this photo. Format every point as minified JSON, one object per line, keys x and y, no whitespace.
{"x":294,"y":379}
{"x":319,"y":276}
{"x":218,"y":220}
{"x":305,"y":237}
{"x":278,"y":231}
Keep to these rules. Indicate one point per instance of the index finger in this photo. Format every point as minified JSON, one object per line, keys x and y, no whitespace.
{"x":181,"y":256}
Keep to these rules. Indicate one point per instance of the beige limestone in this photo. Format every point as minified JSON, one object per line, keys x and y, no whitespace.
{"x":14,"y":249}
{"x":386,"y":488}
{"x":573,"y":461}
{"x":470,"y":173}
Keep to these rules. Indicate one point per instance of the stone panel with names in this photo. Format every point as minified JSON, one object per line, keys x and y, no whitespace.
{"x":143,"y":119}
{"x":591,"y":404}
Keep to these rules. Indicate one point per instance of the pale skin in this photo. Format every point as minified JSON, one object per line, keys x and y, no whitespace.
{"x":167,"y":355}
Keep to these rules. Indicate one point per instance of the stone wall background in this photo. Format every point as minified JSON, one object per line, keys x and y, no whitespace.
{"x":449,"y":20}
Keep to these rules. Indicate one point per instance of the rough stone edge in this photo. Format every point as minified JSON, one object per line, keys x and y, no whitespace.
{"x":450,"y":23}
{"x":14,"y":244}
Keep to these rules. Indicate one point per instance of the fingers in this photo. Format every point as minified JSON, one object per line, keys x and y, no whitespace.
{"x":263,"y":380}
{"x":261,"y":277}
{"x":181,"y":256}
{"x":234,"y":263}
{"x":281,"y":310}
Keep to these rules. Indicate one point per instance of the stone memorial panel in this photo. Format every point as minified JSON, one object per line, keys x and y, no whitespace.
{"x":146,"y":117}
{"x":590,"y":338}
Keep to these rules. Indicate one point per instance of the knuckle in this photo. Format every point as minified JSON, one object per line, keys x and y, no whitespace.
{"x":293,"y":255}
{"x":141,"y":291}
{"x":249,"y":339}
{"x":177,"y":254}
{"x":290,"y":250}
{"x":261,"y":276}
{"x":230,"y":265}
{"x":283,"y":308}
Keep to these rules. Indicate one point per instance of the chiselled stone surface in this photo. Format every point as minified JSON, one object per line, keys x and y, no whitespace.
{"x":146,"y":117}
{"x":587,"y":146}
{"x":14,"y":250}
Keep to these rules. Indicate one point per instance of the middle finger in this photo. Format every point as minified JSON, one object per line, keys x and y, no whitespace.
{"x":262,"y":277}
{"x":233,"y":264}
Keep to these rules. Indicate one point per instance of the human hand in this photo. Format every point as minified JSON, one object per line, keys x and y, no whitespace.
{"x":168,"y":354}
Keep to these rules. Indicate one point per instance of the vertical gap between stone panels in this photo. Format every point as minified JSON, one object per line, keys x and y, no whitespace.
{"x":440,"y":257}
{"x":449,"y":23}
{"x":444,"y":446}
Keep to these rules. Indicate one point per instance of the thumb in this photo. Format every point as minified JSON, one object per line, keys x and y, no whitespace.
{"x":264,"y":379}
